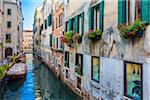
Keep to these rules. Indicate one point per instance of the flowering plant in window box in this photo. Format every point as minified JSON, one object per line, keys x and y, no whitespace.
{"x":134,"y":30}
{"x":78,"y":69}
{"x":95,"y":35}
{"x":68,"y":39}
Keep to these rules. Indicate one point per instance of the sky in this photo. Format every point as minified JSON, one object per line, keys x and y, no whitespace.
{"x":28,"y":9}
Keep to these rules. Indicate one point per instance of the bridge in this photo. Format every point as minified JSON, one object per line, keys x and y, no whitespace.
{"x":28,"y":51}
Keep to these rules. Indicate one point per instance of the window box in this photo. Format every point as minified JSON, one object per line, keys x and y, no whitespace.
{"x":135,"y":30}
{"x":95,"y":35}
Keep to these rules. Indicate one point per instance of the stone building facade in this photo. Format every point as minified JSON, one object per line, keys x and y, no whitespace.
{"x":11,"y":27}
{"x":46,"y":21}
{"x":57,"y":33}
{"x":37,"y":30}
{"x":112,"y":64}
{"x":27,"y":39}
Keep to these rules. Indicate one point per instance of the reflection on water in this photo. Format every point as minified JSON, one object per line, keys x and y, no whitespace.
{"x":39,"y":83}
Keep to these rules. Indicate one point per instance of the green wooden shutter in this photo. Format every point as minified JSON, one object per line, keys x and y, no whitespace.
{"x":121,"y":12}
{"x":101,"y":9}
{"x":49,"y":20}
{"x":91,"y":19}
{"x":82,"y":19}
{"x":76,"y":29}
{"x":145,"y":13}
{"x":70,"y":25}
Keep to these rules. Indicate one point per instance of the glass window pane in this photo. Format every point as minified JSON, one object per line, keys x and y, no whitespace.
{"x":95,"y":68}
{"x":133,"y":81}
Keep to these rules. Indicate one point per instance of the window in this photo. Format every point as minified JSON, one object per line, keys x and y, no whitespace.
{"x":133,"y":80}
{"x":54,"y":44}
{"x":129,"y":11}
{"x":95,"y":68}
{"x":51,"y":39}
{"x":96,"y":17}
{"x":60,"y":44}
{"x":18,"y":28}
{"x":57,"y":43}
{"x":66,"y":63}
{"x":138,"y":9}
{"x":67,"y":74}
{"x":8,"y":11}
{"x":72,"y":24}
{"x":79,"y":83}
{"x":56,"y":23}
{"x":68,"y":1}
{"x":80,"y":24}
{"x":60,"y":20}
{"x":53,"y":25}
{"x":8,"y":24}
{"x":66,"y":28}
{"x":45,"y":24}
{"x":79,"y":64}
{"x":8,"y":38}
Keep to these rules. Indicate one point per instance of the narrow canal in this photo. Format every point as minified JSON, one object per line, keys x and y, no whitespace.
{"x":39,"y":84}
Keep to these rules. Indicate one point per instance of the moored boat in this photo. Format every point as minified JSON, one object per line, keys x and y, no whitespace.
{"x":17,"y":71}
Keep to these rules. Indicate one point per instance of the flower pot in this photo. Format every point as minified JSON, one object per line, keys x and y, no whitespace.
{"x":139,"y":33}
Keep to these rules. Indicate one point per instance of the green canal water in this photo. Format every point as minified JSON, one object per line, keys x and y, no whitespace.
{"x":40,"y":84}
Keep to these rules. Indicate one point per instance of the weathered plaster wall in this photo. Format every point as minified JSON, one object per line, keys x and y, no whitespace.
{"x":146,"y":81}
{"x":111,"y":78}
{"x":86,"y":73}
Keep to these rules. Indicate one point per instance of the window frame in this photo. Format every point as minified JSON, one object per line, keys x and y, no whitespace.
{"x":96,"y":17}
{"x":98,"y":69}
{"x":9,"y":11}
{"x":125,"y":78}
{"x":77,"y":61}
{"x":80,"y":24}
{"x":9,"y":24}
{"x":67,"y":59}
{"x":8,"y":37}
